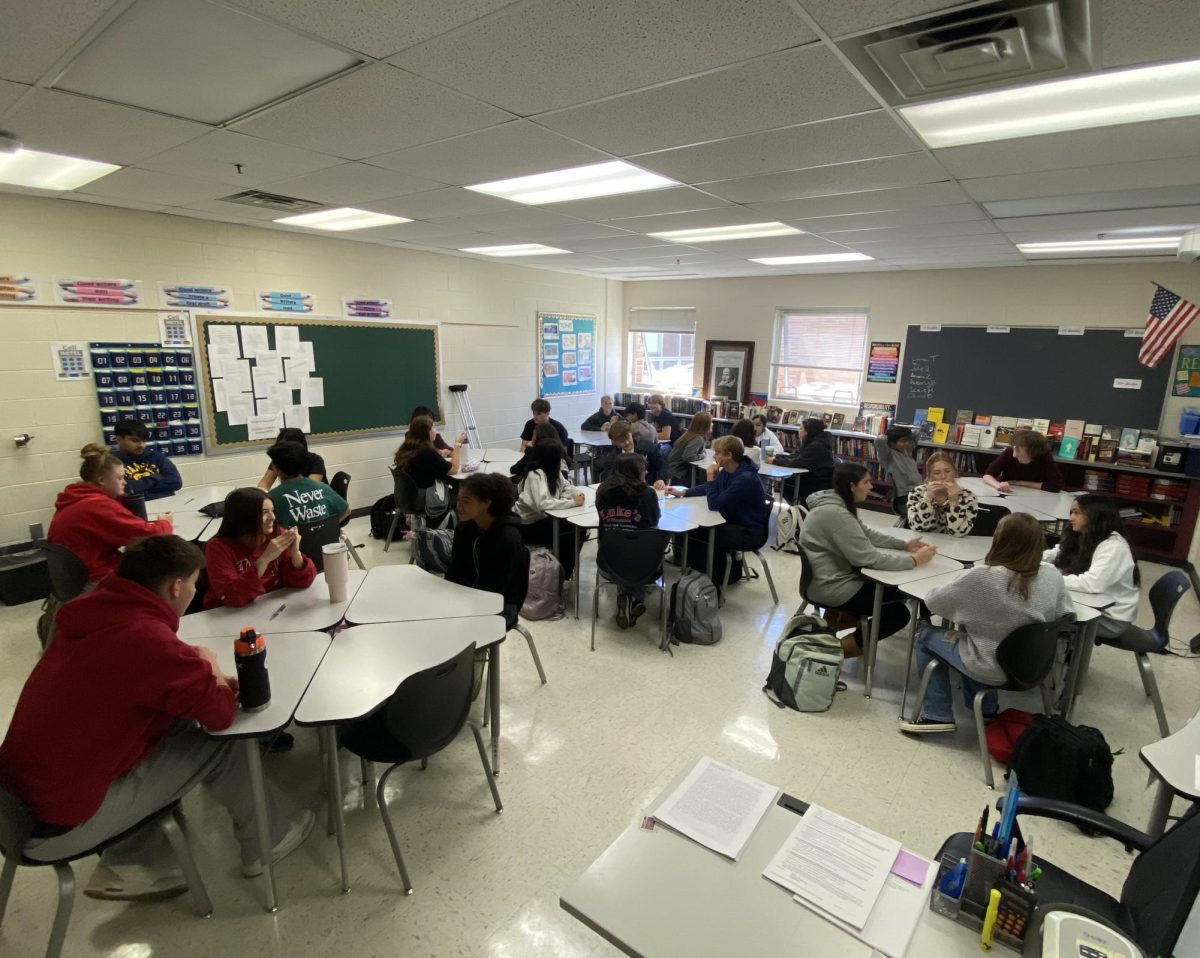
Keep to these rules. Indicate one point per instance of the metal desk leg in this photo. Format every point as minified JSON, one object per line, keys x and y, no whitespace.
{"x":912,"y":643}
{"x":328,"y":735}
{"x":1085,"y":659}
{"x":1085,"y":636}
{"x":554,"y":520}
{"x":262,"y":825}
{"x":683,"y":561}
{"x":1160,"y":810}
{"x":493,"y":677}
{"x":712,"y":548}
{"x":578,"y":558}
{"x":872,"y":640}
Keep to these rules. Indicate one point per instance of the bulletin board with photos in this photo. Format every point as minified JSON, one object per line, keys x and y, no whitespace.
{"x":154,"y":384}
{"x":566,"y":354}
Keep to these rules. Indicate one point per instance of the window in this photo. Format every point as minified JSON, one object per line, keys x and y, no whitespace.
{"x":662,"y":349}
{"x":818,"y":355}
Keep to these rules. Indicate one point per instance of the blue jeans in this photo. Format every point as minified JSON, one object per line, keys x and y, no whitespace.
{"x":939,"y":700}
{"x":635,"y":592}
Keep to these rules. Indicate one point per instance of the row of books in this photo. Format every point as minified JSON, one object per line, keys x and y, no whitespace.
{"x":1135,"y":486}
{"x":686,"y":405}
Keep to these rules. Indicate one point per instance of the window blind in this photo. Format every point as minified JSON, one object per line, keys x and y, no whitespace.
{"x":673,"y":320}
{"x":821,"y":339}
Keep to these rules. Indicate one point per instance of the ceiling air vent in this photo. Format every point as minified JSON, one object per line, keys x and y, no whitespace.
{"x":997,"y":44}
{"x":271,"y":201}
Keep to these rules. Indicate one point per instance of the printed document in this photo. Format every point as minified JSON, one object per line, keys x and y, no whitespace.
{"x":717,"y":806}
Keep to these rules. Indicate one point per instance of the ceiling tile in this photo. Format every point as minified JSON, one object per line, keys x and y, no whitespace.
{"x":124,"y":203}
{"x":1147,"y":31}
{"x":581,"y":50}
{"x":516,"y":217}
{"x":371,"y":111}
{"x":428,"y":233}
{"x":375,"y":26}
{"x":978,"y":227}
{"x":675,"y":200}
{"x":77,"y":126}
{"x":572,"y":231}
{"x":233,"y":211}
{"x":923,"y":265}
{"x":512,"y":149}
{"x":839,"y":18}
{"x":651,"y":254}
{"x":1183,"y":171}
{"x":1080,"y":225}
{"x":1105,"y":200}
{"x":798,"y":86}
{"x":36,"y":35}
{"x":617,"y":246}
{"x":910,"y":245}
{"x":448,"y":202}
{"x":773,"y":246}
{"x":894,"y":218}
{"x":217,"y":156}
{"x":698,"y":219}
{"x":10,"y":93}
{"x":868,"y":201}
{"x":349,"y":184}
{"x":161,"y":189}
{"x":887,"y":173}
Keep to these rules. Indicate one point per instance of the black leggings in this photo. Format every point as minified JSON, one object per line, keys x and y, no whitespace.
{"x":729,"y":538}
{"x":541,"y":533}
{"x":894,"y":614}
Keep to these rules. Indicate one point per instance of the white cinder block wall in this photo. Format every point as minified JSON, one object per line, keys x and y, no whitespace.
{"x":485,"y":311}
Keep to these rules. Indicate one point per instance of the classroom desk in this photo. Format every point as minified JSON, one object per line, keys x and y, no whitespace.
{"x":967,"y":549}
{"x":656,"y":894}
{"x":777,"y":475}
{"x":406,"y":593}
{"x":566,"y":511}
{"x":596,"y":440}
{"x":694,"y":510}
{"x":1173,"y":762}
{"x":1043,"y":506}
{"x":1096,"y":601}
{"x":191,"y":499}
{"x":292,"y":661}
{"x":363,"y":668}
{"x":186,"y":525}
{"x":306,"y":610}
{"x":509,"y":456}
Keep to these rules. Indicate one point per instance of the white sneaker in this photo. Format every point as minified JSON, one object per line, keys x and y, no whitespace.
{"x":299,"y":830}
{"x":134,"y":883}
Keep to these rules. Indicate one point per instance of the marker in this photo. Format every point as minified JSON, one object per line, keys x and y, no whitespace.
{"x":989,"y":920}
{"x":980,"y":829}
{"x":277,"y":611}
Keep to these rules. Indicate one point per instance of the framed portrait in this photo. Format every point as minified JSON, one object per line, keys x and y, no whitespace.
{"x":728,"y":366}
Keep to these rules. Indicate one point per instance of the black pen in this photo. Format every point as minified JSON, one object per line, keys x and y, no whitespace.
{"x":277,"y":611}
{"x":193,"y":499}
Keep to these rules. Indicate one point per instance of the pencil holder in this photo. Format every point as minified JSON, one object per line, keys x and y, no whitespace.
{"x":983,"y":874}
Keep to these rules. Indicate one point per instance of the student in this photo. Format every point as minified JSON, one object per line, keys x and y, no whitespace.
{"x":939,"y":504}
{"x":106,"y":730}
{"x":488,"y":551}
{"x":643,"y":431}
{"x":439,"y":443}
{"x":541,"y":489}
{"x":743,"y":429}
{"x":838,"y":545}
{"x":734,"y":490}
{"x":601,"y":420}
{"x":301,"y":500}
{"x":250,"y":555}
{"x":148,"y":472}
{"x":688,"y":448}
{"x":314,"y":466}
{"x":767,"y":441}
{"x":1027,"y":462}
{"x":1093,"y":556}
{"x":621,"y":435}
{"x":666,"y":426}
{"x":624,"y":501}
{"x":541,"y":413}
{"x":543,"y":433}
{"x":1011,"y":589}
{"x":896,"y":452}
{"x":816,"y":455}
{"x":419,"y":458}
{"x":89,"y":518}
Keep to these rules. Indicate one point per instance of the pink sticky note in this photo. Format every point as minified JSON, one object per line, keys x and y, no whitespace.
{"x":910,"y":867}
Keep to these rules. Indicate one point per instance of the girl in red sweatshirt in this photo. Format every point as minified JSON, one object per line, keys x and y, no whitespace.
{"x":89,"y":518}
{"x":250,"y":555}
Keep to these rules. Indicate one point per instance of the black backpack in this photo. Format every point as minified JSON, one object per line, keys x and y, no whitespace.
{"x":382,"y":514}
{"x":1072,"y":763}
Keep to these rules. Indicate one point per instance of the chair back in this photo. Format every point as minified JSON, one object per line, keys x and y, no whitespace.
{"x":987,"y":519}
{"x":313,"y":537}
{"x":768,"y":508}
{"x":68,"y":574}
{"x":1161,"y":887}
{"x":405,"y":492}
{"x":1027,"y":654}
{"x":16,"y":825}
{"x":1164,"y":596}
{"x":632,"y":557}
{"x":341,"y":485}
{"x":428,"y":710}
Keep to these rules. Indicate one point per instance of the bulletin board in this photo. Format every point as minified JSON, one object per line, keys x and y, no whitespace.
{"x":566,"y":354}
{"x":153,"y":384}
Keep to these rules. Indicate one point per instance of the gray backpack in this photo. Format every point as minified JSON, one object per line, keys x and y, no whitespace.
{"x":544,"y":600}
{"x":431,"y":549}
{"x":694,"y":604}
{"x":806,"y":666}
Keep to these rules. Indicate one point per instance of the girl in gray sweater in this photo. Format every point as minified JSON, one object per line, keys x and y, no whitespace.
{"x":1011,"y":589}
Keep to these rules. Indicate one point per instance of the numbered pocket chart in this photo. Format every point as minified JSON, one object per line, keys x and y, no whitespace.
{"x":154,"y":384}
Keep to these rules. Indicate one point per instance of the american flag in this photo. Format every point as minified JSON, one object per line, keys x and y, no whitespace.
{"x":1169,"y":316}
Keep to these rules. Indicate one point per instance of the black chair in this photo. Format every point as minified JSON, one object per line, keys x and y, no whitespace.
{"x":68,"y":578}
{"x":341,"y":485}
{"x":1164,"y":596}
{"x":1026,"y":657}
{"x":987,"y":519}
{"x":423,"y":716}
{"x":16,"y":828}
{"x":1159,"y":891}
{"x":625,"y":557}
{"x":769,"y":507}
{"x":315,"y":536}
{"x":407,"y":498}
{"x":806,"y":578}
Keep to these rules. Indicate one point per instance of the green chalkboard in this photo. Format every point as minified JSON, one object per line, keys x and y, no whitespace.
{"x":373,"y":374}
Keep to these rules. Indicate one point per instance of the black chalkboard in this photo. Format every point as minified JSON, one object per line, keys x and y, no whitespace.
{"x":1031,"y":372}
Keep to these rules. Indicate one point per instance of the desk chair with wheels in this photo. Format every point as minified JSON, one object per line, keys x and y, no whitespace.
{"x":627,"y":557}
{"x":423,"y":716}
{"x":987,"y":519}
{"x":407,"y":505}
{"x":315,"y":536}
{"x":16,"y":828}
{"x":806,"y":578}
{"x":68,"y":578}
{"x":341,"y":485}
{"x":1164,"y":596}
{"x":757,"y":551}
{"x":1026,"y":656}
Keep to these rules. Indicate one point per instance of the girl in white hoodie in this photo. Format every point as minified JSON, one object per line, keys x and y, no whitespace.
{"x":1094,"y":556}
{"x":541,"y":489}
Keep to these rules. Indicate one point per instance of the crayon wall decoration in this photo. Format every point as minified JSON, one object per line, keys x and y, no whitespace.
{"x":94,"y":291}
{"x":17,"y":287}
{"x":284,"y":301}
{"x":193,"y":296}
{"x":367,"y":308}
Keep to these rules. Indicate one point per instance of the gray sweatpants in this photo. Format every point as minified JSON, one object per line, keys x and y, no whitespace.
{"x":185,"y":758}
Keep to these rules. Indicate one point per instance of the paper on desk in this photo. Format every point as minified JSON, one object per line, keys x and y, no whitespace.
{"x":835,"y":864}
{"x":717,"y":806}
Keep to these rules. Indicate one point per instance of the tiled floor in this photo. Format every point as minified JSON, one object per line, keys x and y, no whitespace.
{"x":582,"y":757}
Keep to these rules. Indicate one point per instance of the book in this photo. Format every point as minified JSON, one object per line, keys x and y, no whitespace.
{"x":936,"y":414}
{"x":919,"y":417}
{"x":1055,"y":433}
{"x":1068,"y":447}
{"x":982,"y":420}
{"x":1005,"y":426}
{"x":1093,"y":429}
{"x":971,"y":435}
{"x":1042,"y":426}
{"x":963,"y":417}
{"x":940,"y":432}
{"x":1073,"y":429}
{"x":925,"y":433}
{"x":1111,"y":432}
{"x":827,"y":418}
{"x":1129,"y":439}
{"x":1024,"y":422}
{"x":839,"y":419}
{"x":1107,"y":450}
{"x":987,"y":437}
{"x":1084,"y":451}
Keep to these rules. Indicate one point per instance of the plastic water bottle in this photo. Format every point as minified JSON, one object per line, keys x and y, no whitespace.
{"x":254,"y":682}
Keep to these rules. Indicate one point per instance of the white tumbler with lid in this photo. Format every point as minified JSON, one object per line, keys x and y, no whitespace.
{"x":337,"y":571}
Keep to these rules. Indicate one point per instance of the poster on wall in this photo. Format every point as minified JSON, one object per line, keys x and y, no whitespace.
{"x":18,"y":287}
{"x":70,"y":361}
{"x":362,"y":307}
{"x":285,"y":301}
{"x":175,"y":329}
{"x":195,"y":296}
{"x":884,"y":363}
{"x":1187,"y":372}
{"x":562,"y":341}
{"x":91,"y":291}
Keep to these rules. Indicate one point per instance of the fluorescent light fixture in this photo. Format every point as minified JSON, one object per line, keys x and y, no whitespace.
{"x":342,"y":219}
{"x":520,"y":249}
{"x":50,"y":171}
{"x":1099,"y":99}
{"x":714,"y":234}
{"x":1148,"y":244}
{"x":577,"y":183}
{"x":815,"y":258}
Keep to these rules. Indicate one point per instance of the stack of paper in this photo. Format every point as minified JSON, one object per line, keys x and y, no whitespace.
{"x":717,"y":806}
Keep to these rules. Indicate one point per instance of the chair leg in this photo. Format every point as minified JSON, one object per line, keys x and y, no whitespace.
{"x":387,"y":542}
{"x":391,"y":832}
{"x":537,"y":660}
{"x":724,"y":580}
{"x":367,"y":771}
{"x":354,"y":553}
{"x":925,"y":677}
{"x":172,"y":826}
{"x":62,"y":914}
{"x":487,"y":767}
{"x":1147,"y":672}
{"x":425,"y":763}
{"x":595,"y":606}
{"x":977,"y":708}
{"x":1047,"y":698}
{"x":665,"y":642}
{"x":767,"y":573}
{"x":487,"y":692}
{"x":6,"y":882}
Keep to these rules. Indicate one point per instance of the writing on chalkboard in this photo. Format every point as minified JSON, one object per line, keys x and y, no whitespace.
{"x":920,"y":380}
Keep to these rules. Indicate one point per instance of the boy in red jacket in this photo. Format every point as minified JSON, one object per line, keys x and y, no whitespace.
{"x":106,"y":730}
